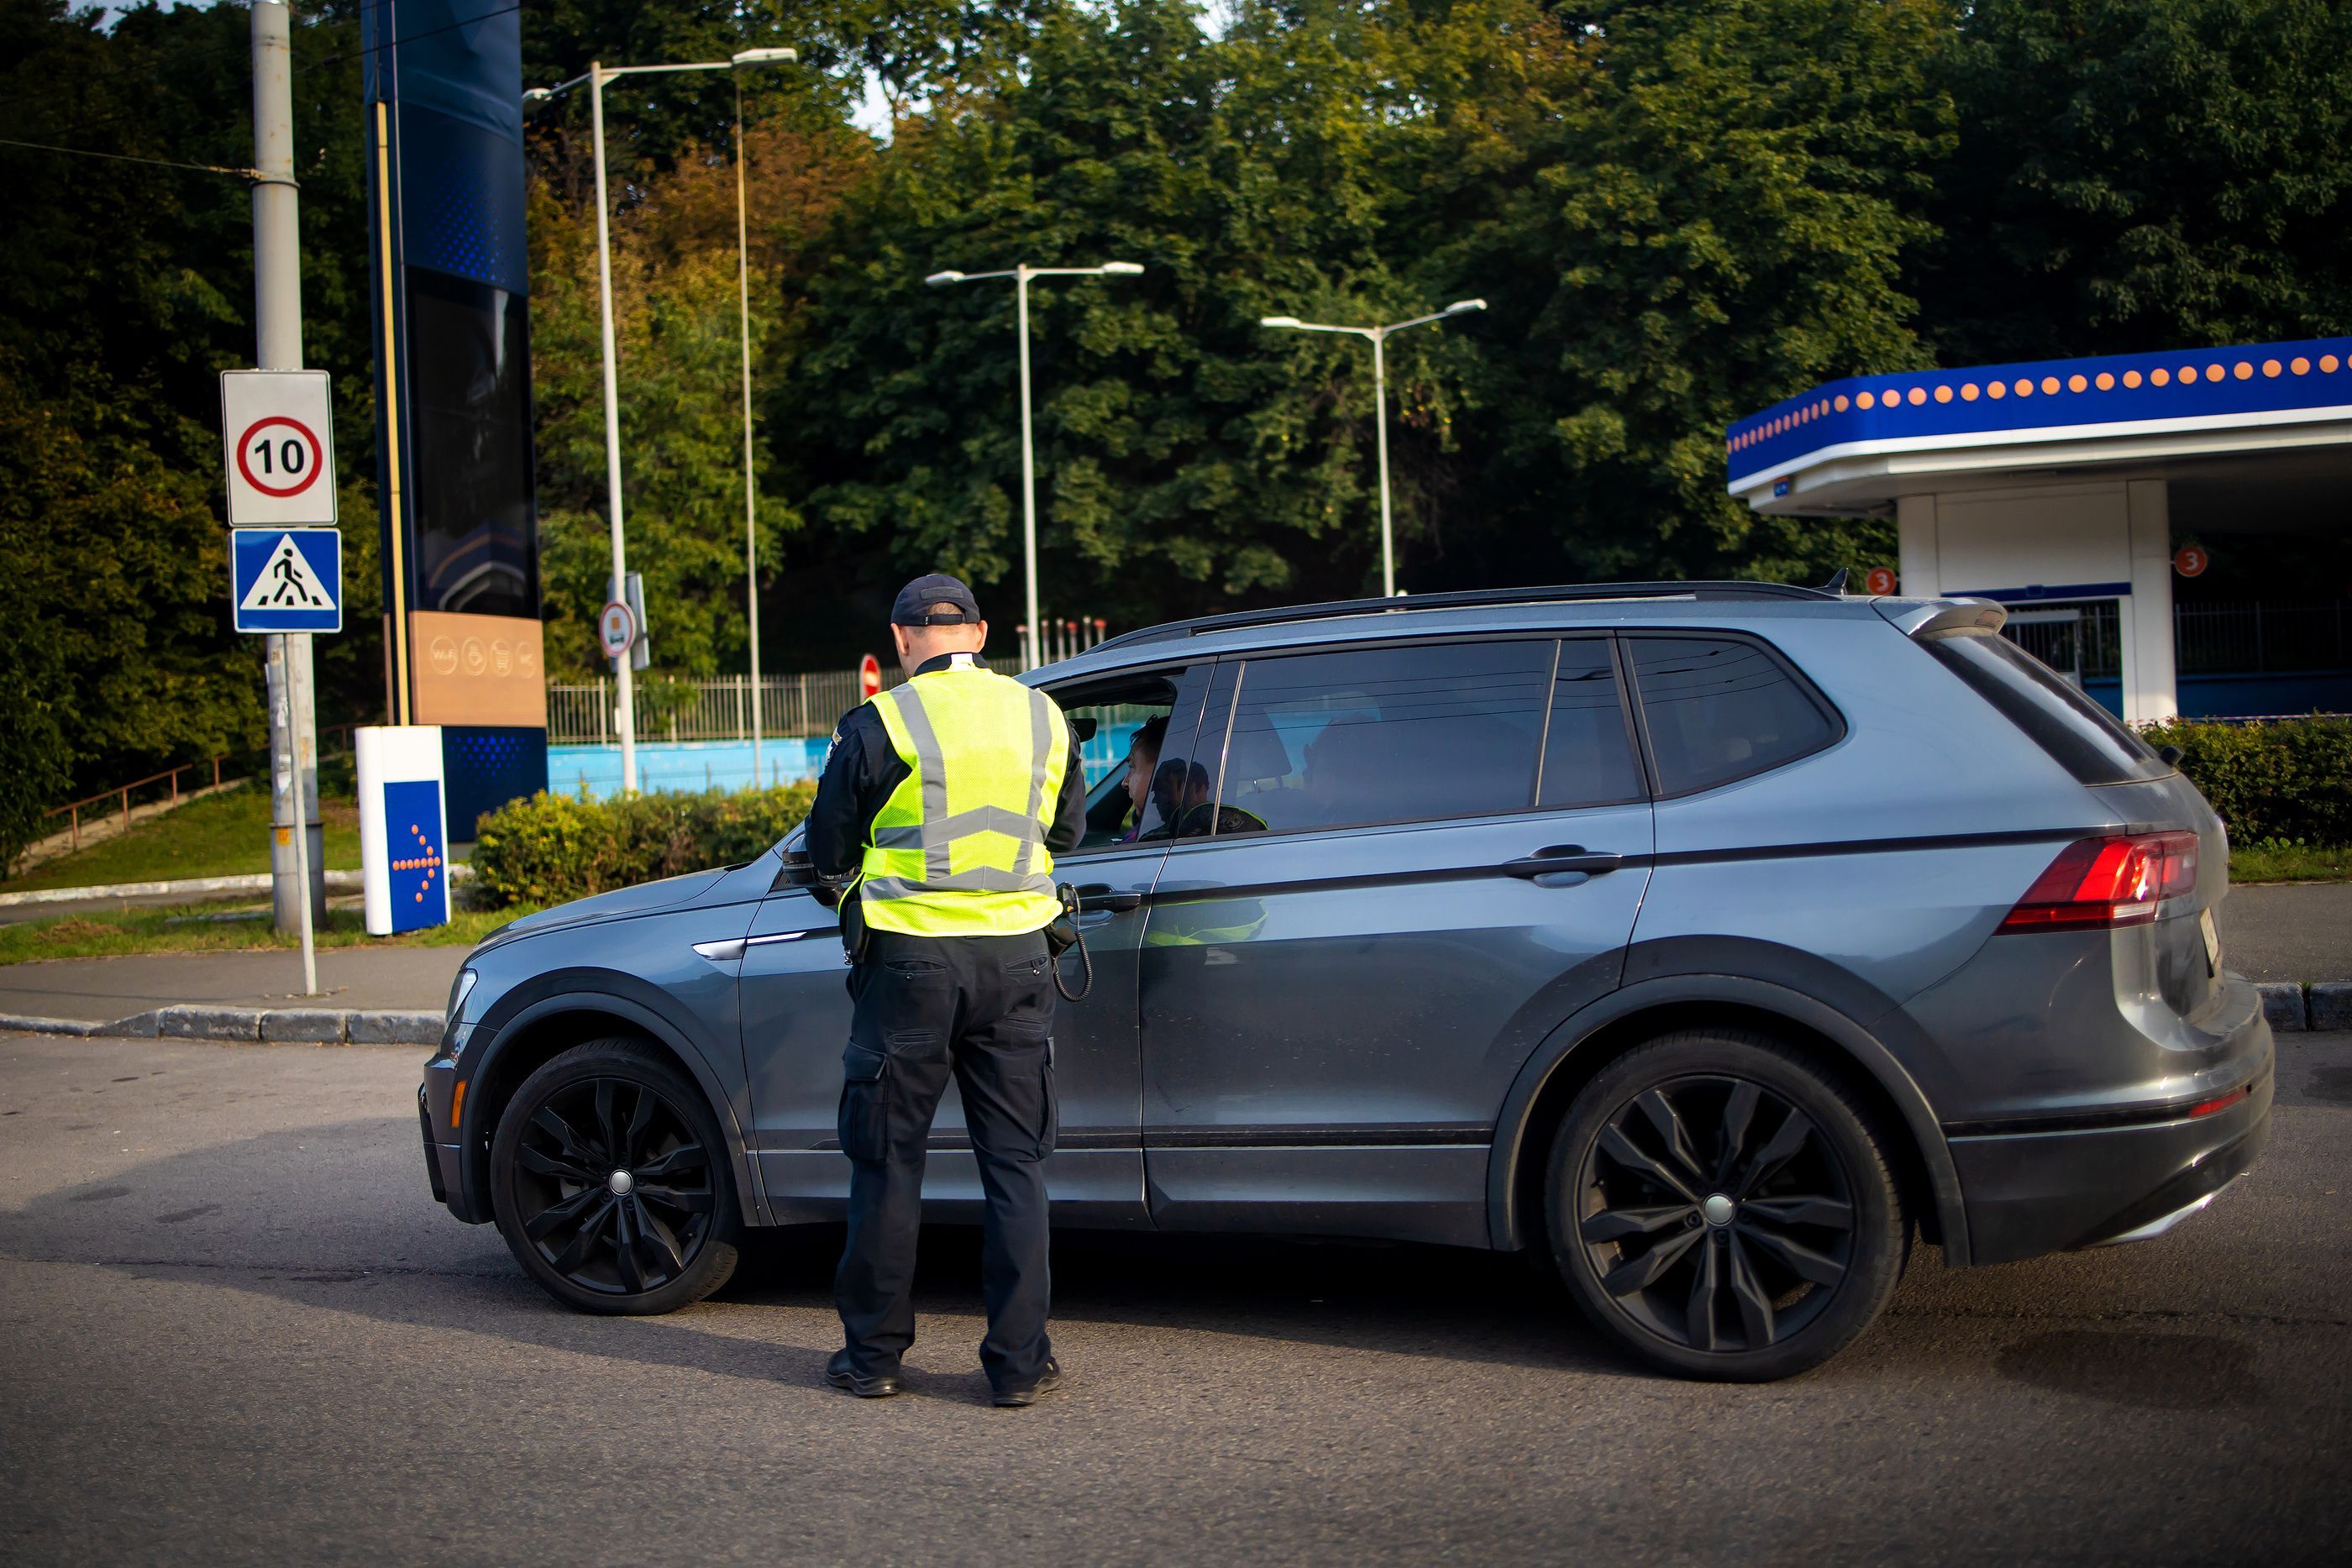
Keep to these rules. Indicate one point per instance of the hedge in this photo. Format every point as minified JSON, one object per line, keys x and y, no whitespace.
{"x":552,"y":848}
{"x":2284,"y":780}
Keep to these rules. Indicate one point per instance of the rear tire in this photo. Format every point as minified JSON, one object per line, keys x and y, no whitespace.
{"x":612,"y":1182}
{"x":1722,"y":1204}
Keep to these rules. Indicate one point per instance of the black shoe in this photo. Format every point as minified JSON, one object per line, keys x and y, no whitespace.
{"x":1028,"y":1392}
{"x":842,"y":1374}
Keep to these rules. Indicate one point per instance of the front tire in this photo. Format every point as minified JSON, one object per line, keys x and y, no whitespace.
{"x":1722,"y":1205}
{"x":611,"y":1182}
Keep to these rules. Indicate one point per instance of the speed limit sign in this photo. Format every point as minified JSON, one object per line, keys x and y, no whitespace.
{"x":616,"y":629}
{"x":279,"y":448}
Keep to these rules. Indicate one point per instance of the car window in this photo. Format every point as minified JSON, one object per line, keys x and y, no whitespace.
{"x":2082,"y":736}
{"x":1383,"y":734}
{"x":1588,"y":754}
{"x":1721,"y":708}
{"x":1119,"y":723}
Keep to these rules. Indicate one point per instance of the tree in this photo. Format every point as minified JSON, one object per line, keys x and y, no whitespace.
{"x":2140,"y":174}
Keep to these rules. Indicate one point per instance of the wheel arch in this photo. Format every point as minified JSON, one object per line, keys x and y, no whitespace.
{"x":573,"y":1010}
{"x":1605,"y":1029}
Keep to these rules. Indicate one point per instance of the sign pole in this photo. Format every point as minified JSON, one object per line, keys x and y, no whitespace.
{"x":278,"y":323}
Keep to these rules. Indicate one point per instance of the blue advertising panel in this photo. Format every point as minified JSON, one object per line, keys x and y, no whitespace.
{"x":448,"y":194}
{"x":419,"y":862}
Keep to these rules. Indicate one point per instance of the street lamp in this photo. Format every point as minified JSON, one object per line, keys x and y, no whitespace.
{"x":596,"y":75}
{"x":1031,"y":645}
{"x":1379,"y":336}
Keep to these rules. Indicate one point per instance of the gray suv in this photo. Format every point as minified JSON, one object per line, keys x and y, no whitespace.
{"x":1709,"y":938}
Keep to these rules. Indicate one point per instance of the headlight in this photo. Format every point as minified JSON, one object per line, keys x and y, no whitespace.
{"x":459,"y":989}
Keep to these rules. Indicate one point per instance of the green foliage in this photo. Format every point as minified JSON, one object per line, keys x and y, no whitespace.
{"x":2137,"y":175}
{"x":2288,"y":781}
{"x":554,"y":848}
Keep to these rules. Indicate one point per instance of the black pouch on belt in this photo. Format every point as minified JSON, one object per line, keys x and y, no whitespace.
{"x":855,"y":935}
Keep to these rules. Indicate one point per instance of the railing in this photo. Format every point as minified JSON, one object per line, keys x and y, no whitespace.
{"x":2083,"y":639}
{"x":2216,"y":639}
{"x":716,"y":709}
{"x":72,"y":809}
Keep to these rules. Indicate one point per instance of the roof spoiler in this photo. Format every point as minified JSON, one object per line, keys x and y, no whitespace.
{"x":1944,"y":617}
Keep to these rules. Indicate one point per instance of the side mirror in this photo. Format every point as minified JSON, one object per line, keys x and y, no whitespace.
{"x":2171,"y":755}
{"x":795,"y":872}
{"x":1084,"y":728}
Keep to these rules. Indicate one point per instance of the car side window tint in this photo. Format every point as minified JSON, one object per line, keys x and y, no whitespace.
{"x":1588,"y":755}
{"x":1720,"y":708}
{"x":1384,"y":735}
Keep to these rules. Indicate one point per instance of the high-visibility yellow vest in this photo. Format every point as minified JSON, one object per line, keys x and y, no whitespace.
{"x":958,"y":850}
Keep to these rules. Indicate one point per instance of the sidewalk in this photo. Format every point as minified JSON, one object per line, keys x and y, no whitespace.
{"x":101,"y":991}
{"x":2298,"y":931}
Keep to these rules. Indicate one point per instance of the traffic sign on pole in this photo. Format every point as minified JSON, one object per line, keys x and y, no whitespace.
{"x":287,"y":579}
{"x":2190,"y":561}
{"x":869,"y":676}
{"x":616,"y":629}
{"x":1880,"y":581}
{"x":279,"y":447}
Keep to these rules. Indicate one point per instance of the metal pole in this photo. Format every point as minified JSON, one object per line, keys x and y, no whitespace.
{"x":626,"y":715}
{"x":750,"y":481}
{"x":1029,"y":653}
{"x":295,"y":892}
{"x":1381,"y":426}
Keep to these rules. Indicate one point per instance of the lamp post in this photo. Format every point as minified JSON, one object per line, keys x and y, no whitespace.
{"x":1379,"y":336}
{"x":596,"y":75}
{"x":1031,"y":644}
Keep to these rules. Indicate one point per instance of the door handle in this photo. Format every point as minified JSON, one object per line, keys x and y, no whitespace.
{"x":1563,"y":858}
{"x":1097,"y":898}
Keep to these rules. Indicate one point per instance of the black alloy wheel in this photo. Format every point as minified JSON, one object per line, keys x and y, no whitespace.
{"x":1722,"y":1205}
{"x":611,"y":1185}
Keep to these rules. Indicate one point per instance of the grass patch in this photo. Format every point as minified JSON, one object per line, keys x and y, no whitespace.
{"x":2275,"y":860}
{"x":201,"y":928}
{"x":225,"y":834}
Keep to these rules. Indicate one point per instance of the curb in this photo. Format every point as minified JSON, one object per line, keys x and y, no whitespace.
{"x":2292,"y":1007}
{"x":195,"y":886}
{"x":320,"y":1026}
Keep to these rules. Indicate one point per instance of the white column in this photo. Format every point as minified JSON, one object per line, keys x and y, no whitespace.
{"x":2150,"y":691}
{"x":1916,"y":546}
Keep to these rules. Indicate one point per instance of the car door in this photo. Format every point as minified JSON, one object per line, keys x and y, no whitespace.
{"x":796,"y":1012}
{"x":1423,"y":856}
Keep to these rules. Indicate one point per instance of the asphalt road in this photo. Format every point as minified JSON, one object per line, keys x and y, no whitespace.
{"x":233,"y":1326}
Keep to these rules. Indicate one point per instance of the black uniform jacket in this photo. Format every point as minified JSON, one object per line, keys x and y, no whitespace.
{"x":862,"y":769}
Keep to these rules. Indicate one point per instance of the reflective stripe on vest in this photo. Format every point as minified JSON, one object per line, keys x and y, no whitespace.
{"x":958,"y":848}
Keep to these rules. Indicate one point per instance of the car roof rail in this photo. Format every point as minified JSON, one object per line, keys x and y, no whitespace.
{"x":1466,"y":599}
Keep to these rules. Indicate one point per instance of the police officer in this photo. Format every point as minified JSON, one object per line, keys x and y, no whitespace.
{"x":945,"y":799}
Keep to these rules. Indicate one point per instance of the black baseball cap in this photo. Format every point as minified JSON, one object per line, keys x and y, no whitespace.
{"x":913,"y":607}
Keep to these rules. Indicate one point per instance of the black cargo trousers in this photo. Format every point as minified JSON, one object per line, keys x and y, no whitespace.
{"x":982,"y":1009}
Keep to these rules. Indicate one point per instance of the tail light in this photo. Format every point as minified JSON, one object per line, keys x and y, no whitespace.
{"x":2099,"y":882}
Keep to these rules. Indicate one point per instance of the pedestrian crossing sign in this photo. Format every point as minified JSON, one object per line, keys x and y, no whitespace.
{"x":287,"y":579}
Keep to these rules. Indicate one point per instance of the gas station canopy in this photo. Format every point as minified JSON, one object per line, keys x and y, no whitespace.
{"x":2066,"y":480}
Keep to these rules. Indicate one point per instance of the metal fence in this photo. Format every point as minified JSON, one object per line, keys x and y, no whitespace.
{"x":716,"y":709}
{"x":2236,"y":639}
{"x":2083,"y":639}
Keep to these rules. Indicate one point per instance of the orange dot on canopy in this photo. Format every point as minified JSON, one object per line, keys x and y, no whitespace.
{"x":2242,"y":370}
{"x":1943,"y":395}
{"x":2299,"y":365}
{"x":1995,"y":390}
{"x":2024,"y":387}
{"x":1917,"y":397}
{"x":2160,"y":376}
{"x":2131,"y":378}
{"x":2327,"y":363}
{"x":2050,"y":385}
{"x":1969,"y":393}
{"x":2271,"y":367}
{"x":1841,"y":403}
{"x":2214,"y":372}
{"x":2105,"y":381}
{"x":2078,"y":382}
